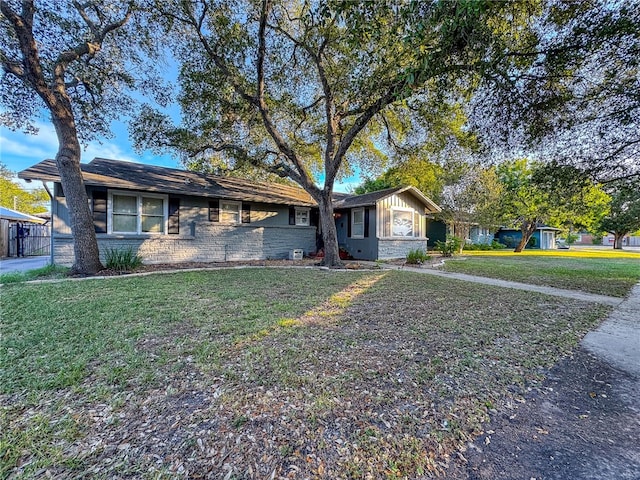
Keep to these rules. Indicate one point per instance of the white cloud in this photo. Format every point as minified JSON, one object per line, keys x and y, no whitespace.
{"x":19,"y":151}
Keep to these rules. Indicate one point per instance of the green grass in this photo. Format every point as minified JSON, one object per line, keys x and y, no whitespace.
{"x":606,"y":276}
{"x":45,"y":273}
{"x":336,"y":373}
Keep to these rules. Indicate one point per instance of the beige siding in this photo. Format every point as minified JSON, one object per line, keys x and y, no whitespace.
{"x":402,"y":201}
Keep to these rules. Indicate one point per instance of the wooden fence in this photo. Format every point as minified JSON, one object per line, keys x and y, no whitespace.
{"x":27,"y":239}
{"x":4,"y":237}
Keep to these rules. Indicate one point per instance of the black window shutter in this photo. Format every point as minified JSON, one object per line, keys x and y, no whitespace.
{"x":100,"y":211}
{"x":349,"y":224}
{"x":246,"y":213}
{"x":366,"y":222}
{"x":174,"y":216}
{"x":214,"y":210}
{"x":292,"y":216}
{"x":314,"y":218}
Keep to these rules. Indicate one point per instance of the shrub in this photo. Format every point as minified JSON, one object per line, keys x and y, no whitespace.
{"x":509,"y":241}
{"x":122,"y":260}
{"x":450,"y":247}
{"x":477,"y":246}
{"x":494,"y":245}
{"x":571,"y":238}
{"x":417,"y":257}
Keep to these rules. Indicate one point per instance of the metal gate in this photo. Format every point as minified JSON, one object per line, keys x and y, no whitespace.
{"x":28,"y":239}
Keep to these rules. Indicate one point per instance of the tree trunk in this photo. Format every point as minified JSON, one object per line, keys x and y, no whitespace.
{"x":617,"y":240}
{"x":85,"y":245}
{"x":527,"y":229}
{"x":329,"y":231}
{"x":462,"y":230}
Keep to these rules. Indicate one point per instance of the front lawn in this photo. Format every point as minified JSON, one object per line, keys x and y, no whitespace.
{"x":259,"y":373}
{"x":605,"y":274}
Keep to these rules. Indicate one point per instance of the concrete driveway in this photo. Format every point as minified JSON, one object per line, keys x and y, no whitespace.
{"x":23,"y":264}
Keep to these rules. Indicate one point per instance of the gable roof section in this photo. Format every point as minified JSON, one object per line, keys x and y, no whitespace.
{"x":14,"y":215}
{"x":136,"y":176}
{"x":368,"y":199}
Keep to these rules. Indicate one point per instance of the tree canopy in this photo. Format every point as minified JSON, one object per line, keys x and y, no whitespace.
{"x":14,"y":196}
{"x":624,"y":214}
{"x":576,"y":98}
{"x":310,"y":90}
{"x":531,"y":198}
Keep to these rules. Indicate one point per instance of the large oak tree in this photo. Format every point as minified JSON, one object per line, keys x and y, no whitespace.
{"x":309,"y":90}
{"x":72,"y":60}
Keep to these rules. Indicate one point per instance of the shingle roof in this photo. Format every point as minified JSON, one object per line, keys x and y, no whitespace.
{"x":353,"y":201}
{"x":9,"y":214}
{"x":150,"y":178}
{"x":137,"y":176}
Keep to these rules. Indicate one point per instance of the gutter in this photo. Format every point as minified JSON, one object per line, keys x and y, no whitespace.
{"x":44,"y":184}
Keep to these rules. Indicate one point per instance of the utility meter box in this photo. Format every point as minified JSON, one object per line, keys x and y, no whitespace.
{"x":296,"y":254}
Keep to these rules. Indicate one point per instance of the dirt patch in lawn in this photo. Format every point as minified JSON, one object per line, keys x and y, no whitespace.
{"x":582,"y":422}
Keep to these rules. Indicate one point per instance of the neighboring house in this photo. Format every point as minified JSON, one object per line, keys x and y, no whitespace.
{"x":168,"y":215}
{"x":627,"y":240}
{"x":544,"y":237}
{"x":438,"y":230}
{"x":22,"y":234}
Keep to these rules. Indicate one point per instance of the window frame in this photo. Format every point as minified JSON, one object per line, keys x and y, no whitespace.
{"x":307,"y":212}
{"x":411,"y":212}
{"x":138,"y":196}
{"x":221,"y":211}
{"x":360,"y":224}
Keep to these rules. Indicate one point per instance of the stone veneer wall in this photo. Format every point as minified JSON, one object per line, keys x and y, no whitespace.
{"x":210,"y":243}
{"x":398,"y":248}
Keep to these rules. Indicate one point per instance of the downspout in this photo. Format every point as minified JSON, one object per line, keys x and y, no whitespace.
{"x":44,"y":184}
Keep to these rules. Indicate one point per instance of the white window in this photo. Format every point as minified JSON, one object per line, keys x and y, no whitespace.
{"x":230,"y":212}
{"x":401,"y":222}
{"x":136,"y":213}
{"x":302,"y":217}
{"x":357,"y":223}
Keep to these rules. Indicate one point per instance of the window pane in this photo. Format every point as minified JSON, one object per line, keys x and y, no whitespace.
{"x":302,"y":217}
{"x":357,"y":223}
{"x":125,"y":223}
{"x":402,"y":224}
{"x":151,"y":206}
{"x":152,"y":224}
{"x":125,"y":204}
{"x":230,"y":213}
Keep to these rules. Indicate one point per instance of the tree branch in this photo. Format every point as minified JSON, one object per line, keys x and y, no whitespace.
{"x":267,"y":120}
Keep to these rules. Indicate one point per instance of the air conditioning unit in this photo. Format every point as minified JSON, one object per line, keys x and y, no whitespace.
{"x":296,"y":254}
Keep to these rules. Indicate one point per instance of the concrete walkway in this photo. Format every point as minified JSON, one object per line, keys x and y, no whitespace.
{"x":617,"y":339}
{"x":558,"y":292}
{"x":23,"y":264}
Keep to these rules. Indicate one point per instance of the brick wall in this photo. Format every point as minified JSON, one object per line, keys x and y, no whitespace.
{"x":398,"y":248}
{"x":209,"y":243}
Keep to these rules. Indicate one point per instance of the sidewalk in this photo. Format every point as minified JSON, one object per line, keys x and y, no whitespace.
{"x":23,"y":264}
{"x":617,"y":339}
{"x":558,"y":292}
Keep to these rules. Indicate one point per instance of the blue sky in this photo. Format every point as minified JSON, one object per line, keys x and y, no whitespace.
{"x":19,"y":151}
